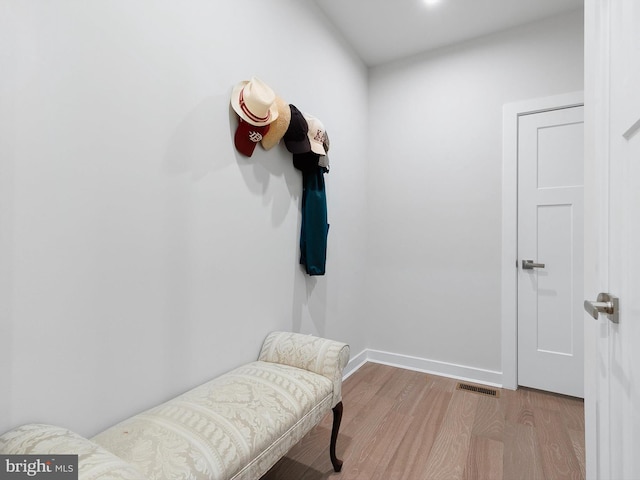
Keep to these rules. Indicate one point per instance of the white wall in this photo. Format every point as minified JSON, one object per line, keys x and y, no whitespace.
{"x":140,"y":253}
{"x":434,"y":204}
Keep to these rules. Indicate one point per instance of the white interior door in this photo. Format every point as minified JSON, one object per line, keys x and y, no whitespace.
{"x":612,"y":401}
{"x":550,"y":242}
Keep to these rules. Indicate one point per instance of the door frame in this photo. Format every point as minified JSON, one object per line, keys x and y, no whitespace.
{"x":509,"y":252}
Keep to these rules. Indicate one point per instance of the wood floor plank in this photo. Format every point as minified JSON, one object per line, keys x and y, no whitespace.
{"x":490,"y":419}
{"x":381,"y":449}
{"x":359,"y":425}
{"x":558,"y":455}
{"x":442,"y":383}
{"x":411,"y":454}
{"x":398,"y":383}
{"x":448,"y":455}
{"x":572,"y":410}
{"x":519,"y":407}
{"x":405,"y":425}
{"x":484,"y":461}
{"x":522,"y":458}
{"x":413,"y":404}
{"x":366,"y":385}
{"x":577,"y":440}
{"x":408,"y":390}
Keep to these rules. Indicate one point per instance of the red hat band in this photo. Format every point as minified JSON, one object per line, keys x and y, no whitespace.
{"x":249,"y":113}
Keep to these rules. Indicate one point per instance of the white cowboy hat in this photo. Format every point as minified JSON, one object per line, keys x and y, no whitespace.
{"x":254,"y":102}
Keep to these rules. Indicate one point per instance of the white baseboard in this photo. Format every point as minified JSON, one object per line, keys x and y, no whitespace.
{"x":434,"y":367}
{"x":354,"y":364}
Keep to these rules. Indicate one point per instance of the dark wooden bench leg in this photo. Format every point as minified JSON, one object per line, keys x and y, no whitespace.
{"x":337,"y":418}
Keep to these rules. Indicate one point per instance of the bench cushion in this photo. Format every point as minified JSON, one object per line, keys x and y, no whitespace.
{"x":94,"y":462}
{"x":224,"y":429}
{"x":316,"y":354}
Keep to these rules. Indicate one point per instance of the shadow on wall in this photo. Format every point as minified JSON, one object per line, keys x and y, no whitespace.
{"x":309,"y":302}
{"x":203,"y":144}
{"x":259,"y":170}
{"x":198,"y":147}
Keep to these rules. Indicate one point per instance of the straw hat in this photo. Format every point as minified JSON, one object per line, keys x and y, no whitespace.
{"x":278,"y":128}
{"x":254,"y":102}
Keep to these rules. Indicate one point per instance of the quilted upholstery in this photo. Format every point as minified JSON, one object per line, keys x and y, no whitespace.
{"x":316,"y":354}
{"x":94,"y":462}
{"x":235,"y":427}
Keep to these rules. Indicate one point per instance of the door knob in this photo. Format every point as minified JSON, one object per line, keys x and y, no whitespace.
{"x":530,"y":265}
{"x":605,"y":304}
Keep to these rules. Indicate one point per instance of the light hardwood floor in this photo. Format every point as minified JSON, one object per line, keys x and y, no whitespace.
{"x":405,"y":425}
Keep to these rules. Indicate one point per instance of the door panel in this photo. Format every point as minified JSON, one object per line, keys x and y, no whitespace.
{"x":554,"y":294}
{"x":557,"y":165}
{"x":617,"y":236}
{"x":550,"y":231}
{"x":613,"y":237}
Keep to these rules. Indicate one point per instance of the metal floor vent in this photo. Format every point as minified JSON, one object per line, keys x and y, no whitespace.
{"x":489,"y":392}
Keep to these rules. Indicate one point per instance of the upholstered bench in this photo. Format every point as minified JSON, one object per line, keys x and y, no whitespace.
{"x":234,"y":427}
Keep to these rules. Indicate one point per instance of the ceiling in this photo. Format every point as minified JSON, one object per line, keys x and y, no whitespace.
{"x":384,"y":30}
